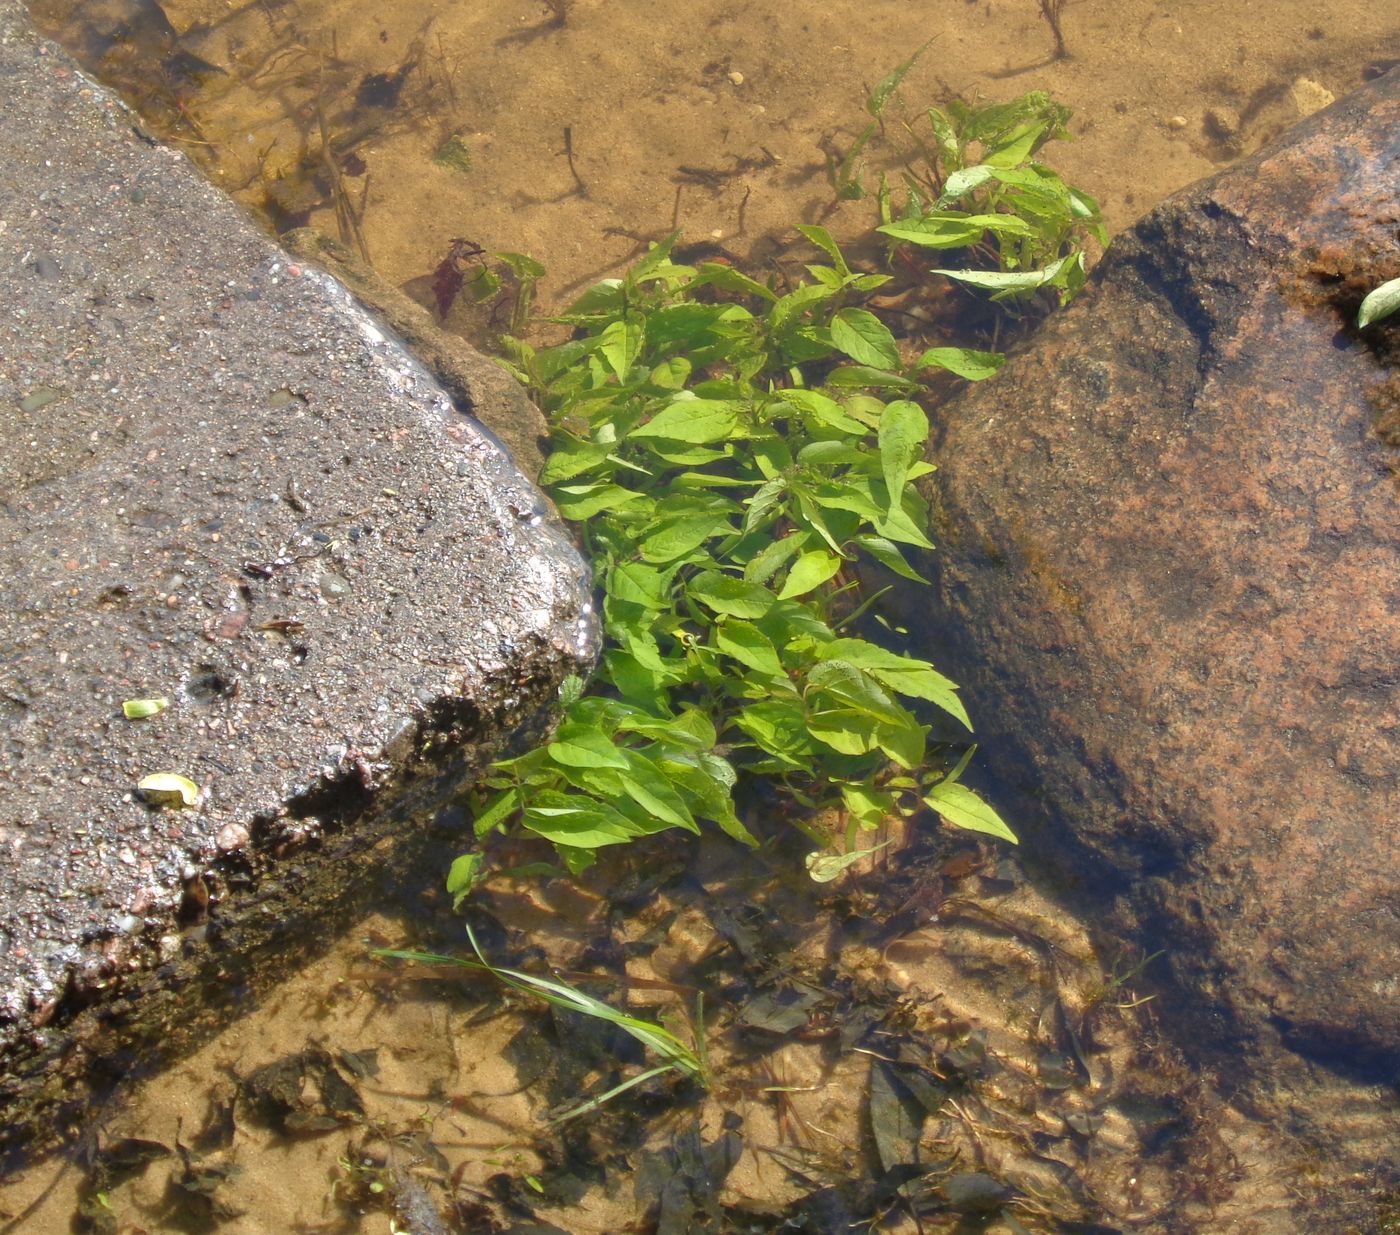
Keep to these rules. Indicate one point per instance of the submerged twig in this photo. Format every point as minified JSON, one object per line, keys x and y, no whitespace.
{"x":1050,"y":10}
{"x":569,"y":154}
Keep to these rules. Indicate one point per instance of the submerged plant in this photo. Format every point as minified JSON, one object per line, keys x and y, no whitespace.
{"x":741,"y":460}
{"x":676,"y":1055}
{"x":977,"y":187}
{"x":734,"y":456}
{"x":970,"y":182}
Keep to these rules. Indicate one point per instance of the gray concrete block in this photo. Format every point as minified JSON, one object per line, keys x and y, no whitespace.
{"x":221,"y":483}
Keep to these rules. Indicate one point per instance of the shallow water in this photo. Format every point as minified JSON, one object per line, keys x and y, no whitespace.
{"x":577,"y":132}
{"x":935,"y":1011}
{"x":712,"y":116}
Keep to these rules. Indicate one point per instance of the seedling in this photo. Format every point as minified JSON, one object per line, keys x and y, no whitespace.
{"x":971,"y":184}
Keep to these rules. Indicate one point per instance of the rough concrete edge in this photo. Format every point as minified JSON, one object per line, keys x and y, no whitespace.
{"x":479,"y":386}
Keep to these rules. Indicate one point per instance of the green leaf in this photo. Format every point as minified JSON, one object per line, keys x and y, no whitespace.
{"x":864,"y":376}
{"x":846,"y":730}
{"x":870,"y":807}
{"x":462,"y":876}
{"x":679,"y":535}
{"x":579,"y":502}
{"x":888,"y":84}
{"x":820,"y":237}
{"x":604,"y":297}
{"x":522,"y":265}
{"x":495,"y":812}
{"x":709,"y":781}
{"x":903,"y":436}
{"x":819,"y":409}
{"x":621,"y":345}
{"x":698,"y":421}
{"x":850,"y":493}
{"x":671,"y":374}
{"x":824,"y":867}
{"x":887,"y":553}
{"x":864,"y":338}
{"x":726,"y":278}
{"x":692,"y":729}
{"x":774,"y":556}
{"x":578,"y":821}
{"x":780,"y":728}
{"x":749,"y":646}
{"x":631,"y":679}
{"x":767,"y":497}
{"x":1016,"y":147}
{"x":795,"y":305}
{"x":950,"y":148}
{"x":810,"y":570}
{"x":962,"y":182}
{"x":579,"y":746}
{"x":569,"y":459}
{"x":832,"y":454}
{"x":1007,"y":281}
{"x":725,"y":594}
{"x":139,"y":709}
{"x":952,"y":229}
{"x":964,"y":809}
{"x":853,"y":688}
{"x":643,"y":646}
{"x":1379,"y":304}
{"x":688,"y":322}
{"x":899,"y":526}
{"x":964,"y":361}
{"x":903,"y":742}
{"x":648,"y":787}
{"x":639,"y":584}
{"x":914,"y":678}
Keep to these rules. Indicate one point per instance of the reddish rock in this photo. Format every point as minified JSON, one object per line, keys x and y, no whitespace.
{"x":1169,"y":548}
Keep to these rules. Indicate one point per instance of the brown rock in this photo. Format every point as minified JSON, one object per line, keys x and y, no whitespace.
{"x":1170,"y":552}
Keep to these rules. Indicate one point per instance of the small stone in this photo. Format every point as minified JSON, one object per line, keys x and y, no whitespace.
{"x":1310,"y":96}
{"x":231,"y":837}
{"x":1176,"y":122}
{"x":736,"y":78}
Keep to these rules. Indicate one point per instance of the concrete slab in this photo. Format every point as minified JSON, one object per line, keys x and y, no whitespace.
{"x":223,"y":484}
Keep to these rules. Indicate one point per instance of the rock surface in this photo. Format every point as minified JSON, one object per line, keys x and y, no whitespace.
{"x":223,"y":485}
{"x":1169,"y":567}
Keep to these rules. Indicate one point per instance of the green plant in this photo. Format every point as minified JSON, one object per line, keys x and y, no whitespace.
{"x":732,"y":455}
{"x":969,"y":181}
{"x":979,"y":188}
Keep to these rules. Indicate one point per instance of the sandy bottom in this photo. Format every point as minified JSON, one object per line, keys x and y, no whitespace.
{"x":932,"y":1019}
{"x":711,"y":116}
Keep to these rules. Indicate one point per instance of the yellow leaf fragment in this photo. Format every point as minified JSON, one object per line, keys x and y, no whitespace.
{"x":169,"y":789}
